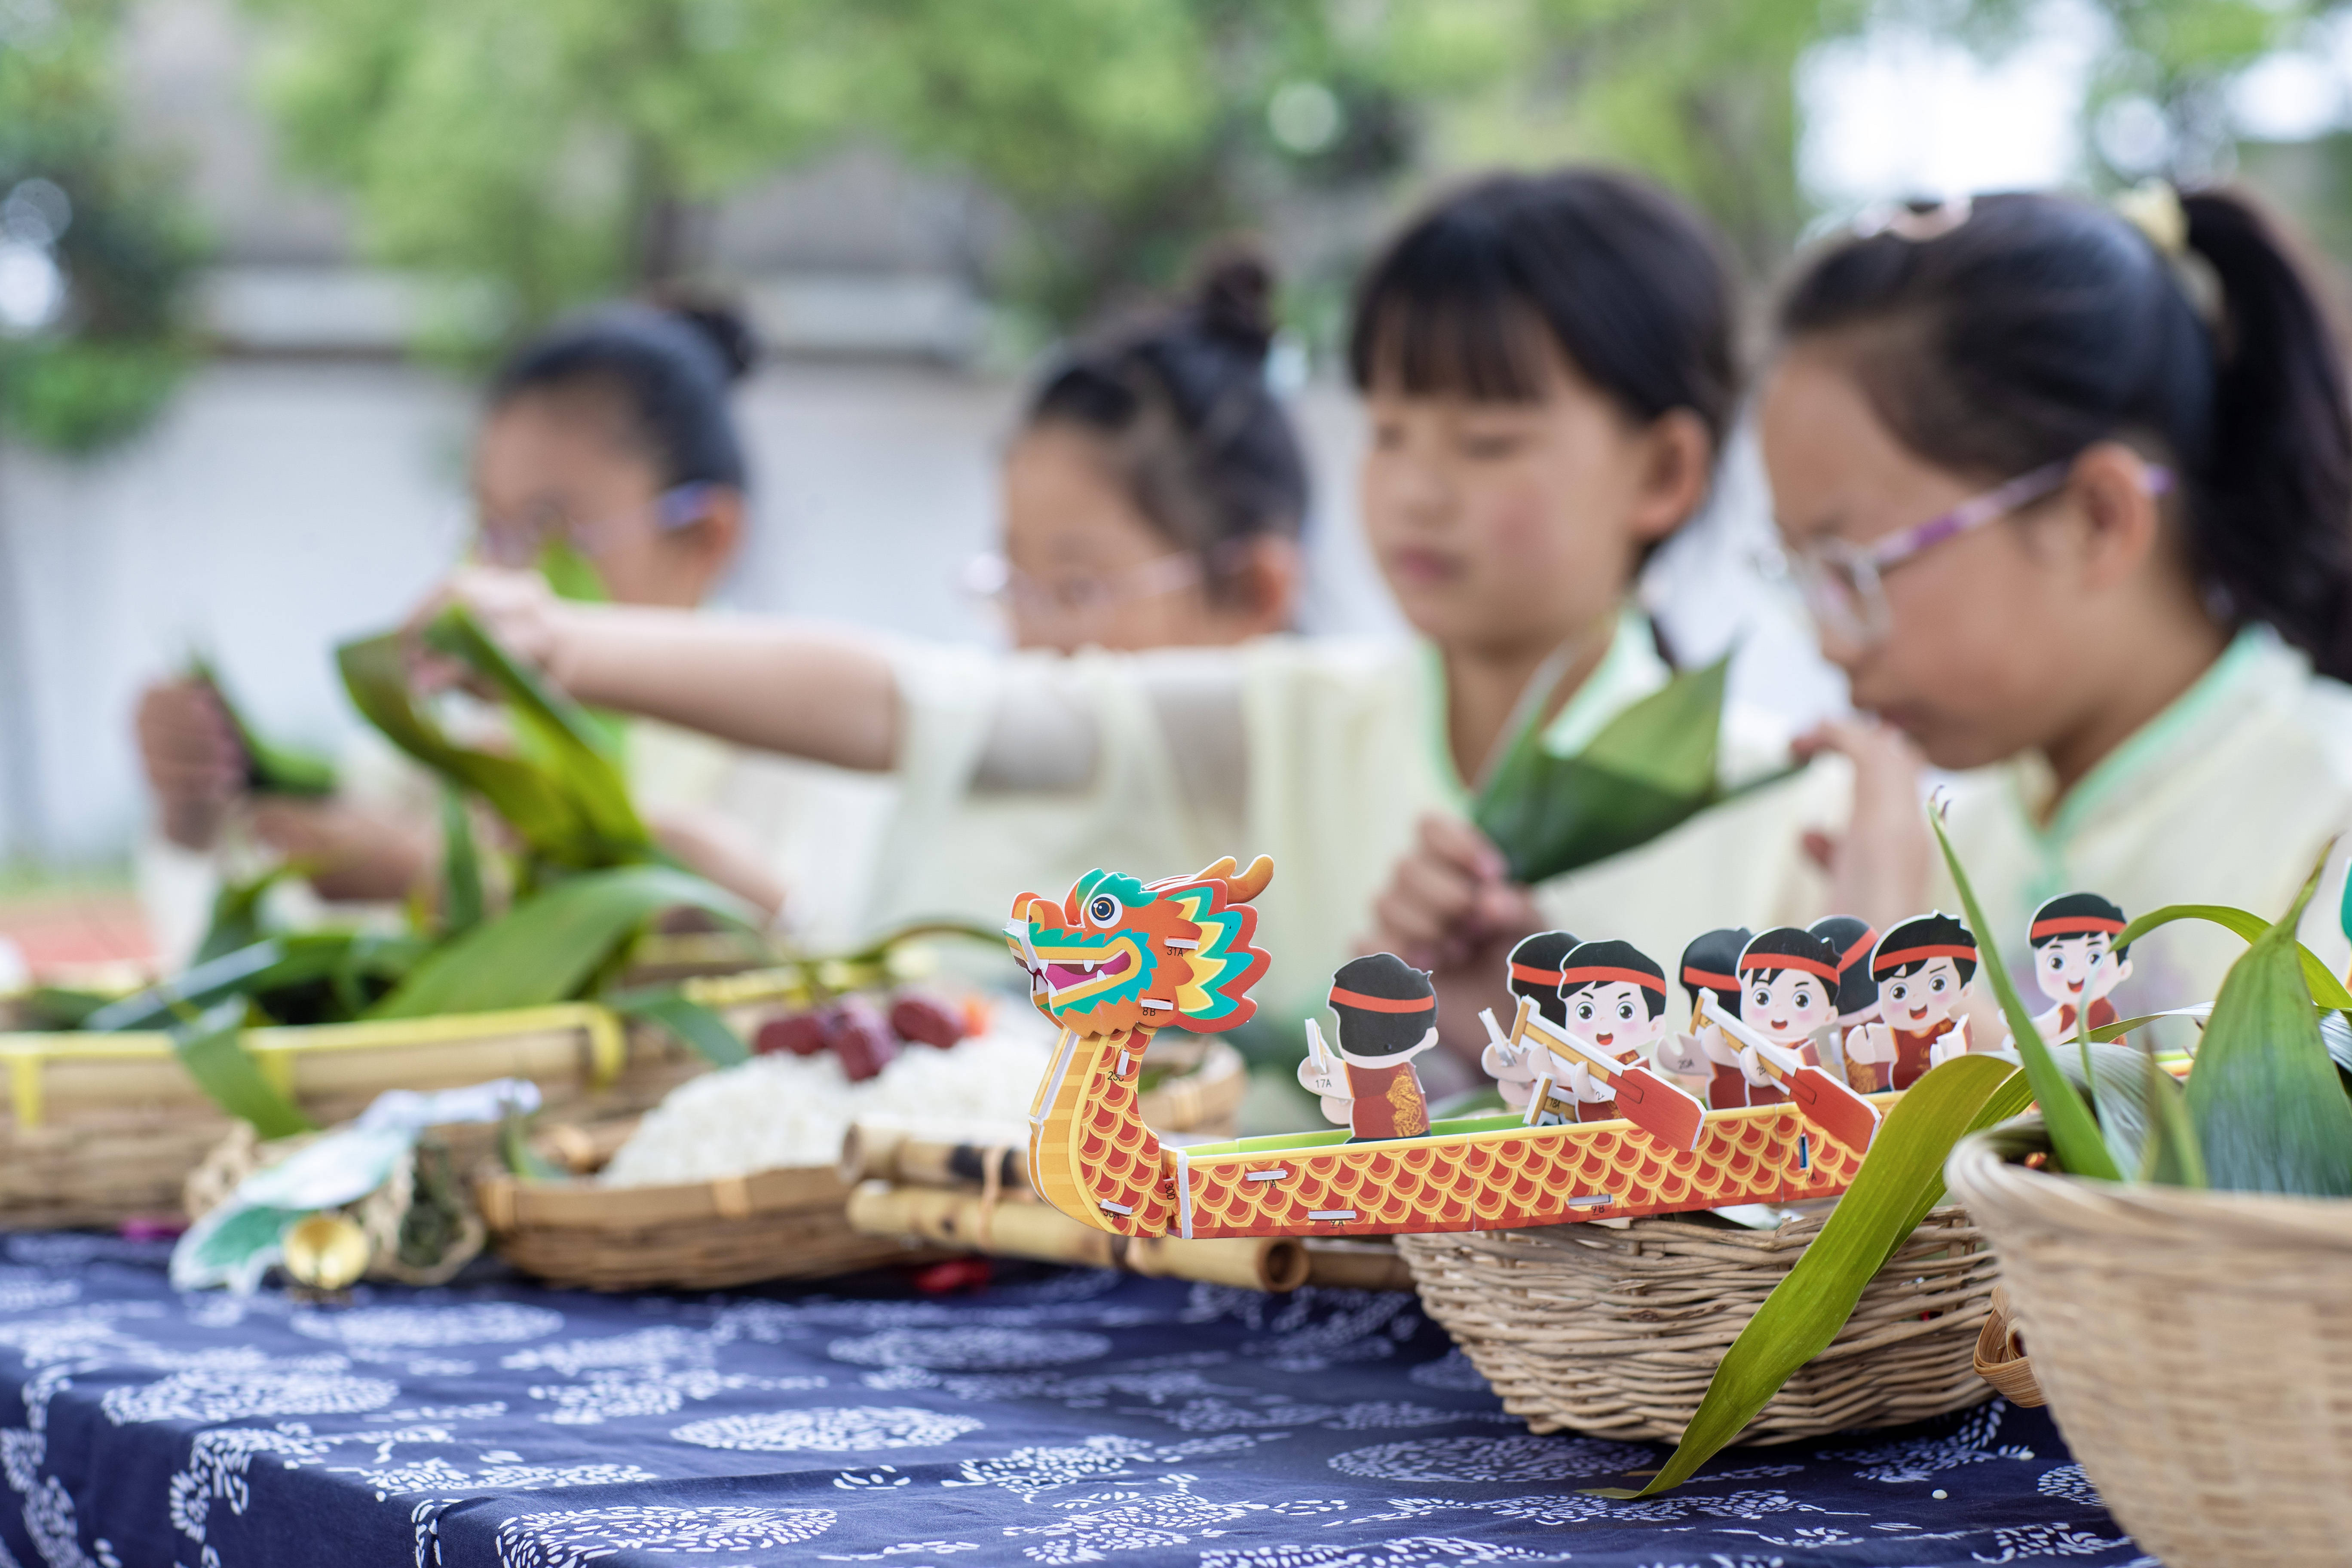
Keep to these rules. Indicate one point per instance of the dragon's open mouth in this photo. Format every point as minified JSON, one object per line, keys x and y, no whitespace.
{"x":1060,"y":977}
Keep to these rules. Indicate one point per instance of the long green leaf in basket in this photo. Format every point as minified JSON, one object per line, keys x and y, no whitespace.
{"x":547,"y":948}
{"x":2073,"y":1130}
{"x":211,"y":1050}
{"x":700,"y":1028}
{"x":1901,"y":1179}
{"x":1650,"y":768}
{"x":2325,"y":989}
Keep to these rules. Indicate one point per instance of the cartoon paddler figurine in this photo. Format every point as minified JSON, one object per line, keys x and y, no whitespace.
{"x":1857,"y":993}
{"x":2076,"y":962}
{"x":1707,"y":969}
{"x":1923,"y":967}
{"x":1533,"y":977}
{"x":1386,"y":1011}
{"x":1614,"y":998}
{"x":1789,"y":987}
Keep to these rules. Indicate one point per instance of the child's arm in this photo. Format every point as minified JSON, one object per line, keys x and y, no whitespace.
{"x":776,"y":684}
{"x":1880,"y":867}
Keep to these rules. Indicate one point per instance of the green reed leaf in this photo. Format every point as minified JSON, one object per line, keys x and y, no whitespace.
{"x":212,"y":1048}
{"x":461,"y":866}
{"x":2325,"y":989}
{"x":2073,"y":1130}
{"x":2117,"y":1085}
{"x":2171,"y":1155}
{"x":1901,"y":1179}
{"x":549,"y":946}
{"x":1648,"y":769}
{"x":2270,"y":1112}
{"x":698,"y":1027}
{"x":271,"y":768}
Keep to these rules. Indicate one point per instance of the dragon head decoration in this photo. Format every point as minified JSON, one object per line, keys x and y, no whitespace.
{"x":1119,"y":953}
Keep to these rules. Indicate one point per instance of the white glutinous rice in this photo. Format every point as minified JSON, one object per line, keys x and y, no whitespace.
{"x":779,"y":1110}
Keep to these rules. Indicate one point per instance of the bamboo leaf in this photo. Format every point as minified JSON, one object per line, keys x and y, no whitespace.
{"x":570,"y":573}
{"x":1650,"y":768}
{"x":1901,"y":1179}
{"x":2118,"y":1081}
{"x":2074,"y":1131}
{"x":213,"y":1051}
{"x":519,"y":1158}
{"x":2325,"y":989}
{"x":461,"y":866}
{"x":2270,"y":1110}
{"x":237,"y":915}
{"x":698,"y":1027}
{"x":2171,"y":1155}
{"x":271,"y":768}
{"x":549,"y":945}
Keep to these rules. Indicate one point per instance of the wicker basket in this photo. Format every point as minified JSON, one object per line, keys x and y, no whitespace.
{"x":2196,"y":1348}
{"x":100,"y":1128}
{"x":1596,"y":1329}
{"x":784,"y":1224}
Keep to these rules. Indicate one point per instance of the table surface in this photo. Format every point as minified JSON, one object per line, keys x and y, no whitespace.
{"x":1060,"y":1417}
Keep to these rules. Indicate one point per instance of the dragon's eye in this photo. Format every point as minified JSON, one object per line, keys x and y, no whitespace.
{"x":1104,"y":910}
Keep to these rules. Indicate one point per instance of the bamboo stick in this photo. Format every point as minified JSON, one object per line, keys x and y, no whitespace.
{"x":1336,"y":1264}
{"x":1030,"y":1230}
{"x":879,"y":1149}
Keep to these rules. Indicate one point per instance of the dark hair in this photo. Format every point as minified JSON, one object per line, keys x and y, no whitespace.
{"x":1631,"y":285}
{"x":1621,"y":955}
{"x":1930,"y":930}
{"x":2039,"y":324}
{"x":1853,"y":939}
{"x":2073,"y":907}
{"x":1200,"y":443}
{"x":1717,"y":953}
{"x":666,"y":371}
{"x":1808,"y":954}
{"x":1370,"y":1031}
{"x":1541,"y":955}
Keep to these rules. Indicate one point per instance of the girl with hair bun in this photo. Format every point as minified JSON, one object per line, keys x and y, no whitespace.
{"x":612,"y":433}
{"x":1547,"y":365}
{"x":2068,"y":490}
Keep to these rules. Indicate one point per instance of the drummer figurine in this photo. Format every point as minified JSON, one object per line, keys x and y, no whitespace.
{"x":1923,"y":967}
{"x":1614,"y":998}
{"x":1788,"y":988}
{"x":1857,"y":993}
{"x":1534,"y":980}
{"x":1387,"y":1013}
{"x":2076,"y":962}
{"x":1707,"y":969}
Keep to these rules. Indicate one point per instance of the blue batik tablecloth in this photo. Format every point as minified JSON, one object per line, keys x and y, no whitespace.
{"x":1069,"y":1417}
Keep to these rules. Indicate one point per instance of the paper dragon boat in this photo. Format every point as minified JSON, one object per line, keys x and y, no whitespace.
{"x":1119,"y":959}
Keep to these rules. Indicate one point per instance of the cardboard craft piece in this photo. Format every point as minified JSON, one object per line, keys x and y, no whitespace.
{"x":1590,"y":1050}
{"x":2076,"y":962}
{"x":1387,"y":1014}
{"x":1702,"y":1051}
{"x":1924,"y":967}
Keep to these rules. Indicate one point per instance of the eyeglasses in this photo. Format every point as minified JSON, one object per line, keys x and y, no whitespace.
{"x":520,"y":540}
{"x":1082,"y":597}
{"x":1843,"y":582}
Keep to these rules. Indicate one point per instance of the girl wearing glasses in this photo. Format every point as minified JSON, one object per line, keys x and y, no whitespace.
{"x":2069,"y":493}
{"x":1547,"y":366}
{"x":611,"y":433}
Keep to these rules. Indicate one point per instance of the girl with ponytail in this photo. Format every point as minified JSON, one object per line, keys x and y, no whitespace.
{"x":2067,"y":488}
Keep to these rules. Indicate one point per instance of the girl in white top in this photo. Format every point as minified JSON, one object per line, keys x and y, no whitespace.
{"x":1548,"y":364}
{"x":2070,"y":495}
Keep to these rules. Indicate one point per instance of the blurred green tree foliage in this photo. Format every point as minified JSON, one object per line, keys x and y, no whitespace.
{"x":96,"y":252}
{"x":563,"y":148}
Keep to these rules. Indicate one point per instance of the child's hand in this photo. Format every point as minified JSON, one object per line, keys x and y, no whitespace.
{"x":350,"y":852}
{"x":1879,"y":866}
{"x":192,"y":760}
{"x":1450,"y":908}
{"x":516,"y":608}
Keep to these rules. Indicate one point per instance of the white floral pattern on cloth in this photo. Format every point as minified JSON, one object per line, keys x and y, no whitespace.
{"x":1413,"y":1551}
{"x":1520,"y":1458}
{"x":34,"y":1290}
{"x":361,"y":1329}
{"x":971,"y":1349}
{"x":1144,"y":1521}
{"x":575,"y":1538}
{"x":2068,"y":1482}
{"x":203,"y":1393}
{"x":1916,"y":1459}
{"x":829,"y":1430}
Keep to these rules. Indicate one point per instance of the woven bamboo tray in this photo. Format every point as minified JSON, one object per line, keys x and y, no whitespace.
{"x":786,"y":1224}
{"x":96,"y":1128}
{"x":2196,"y":1349}
{"x":1596,"y":1329}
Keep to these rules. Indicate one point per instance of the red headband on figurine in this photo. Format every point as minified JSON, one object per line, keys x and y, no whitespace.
{"x":1953,"y":951}
{"x":1534,"y":977}
{"x":1710,"y":979}
{"x":2074,"y":925}
{"x":1787,"y":960}
{"x":1599,"y":973}
{"x":1862,"y":944}
{"x":1343,"y":997}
